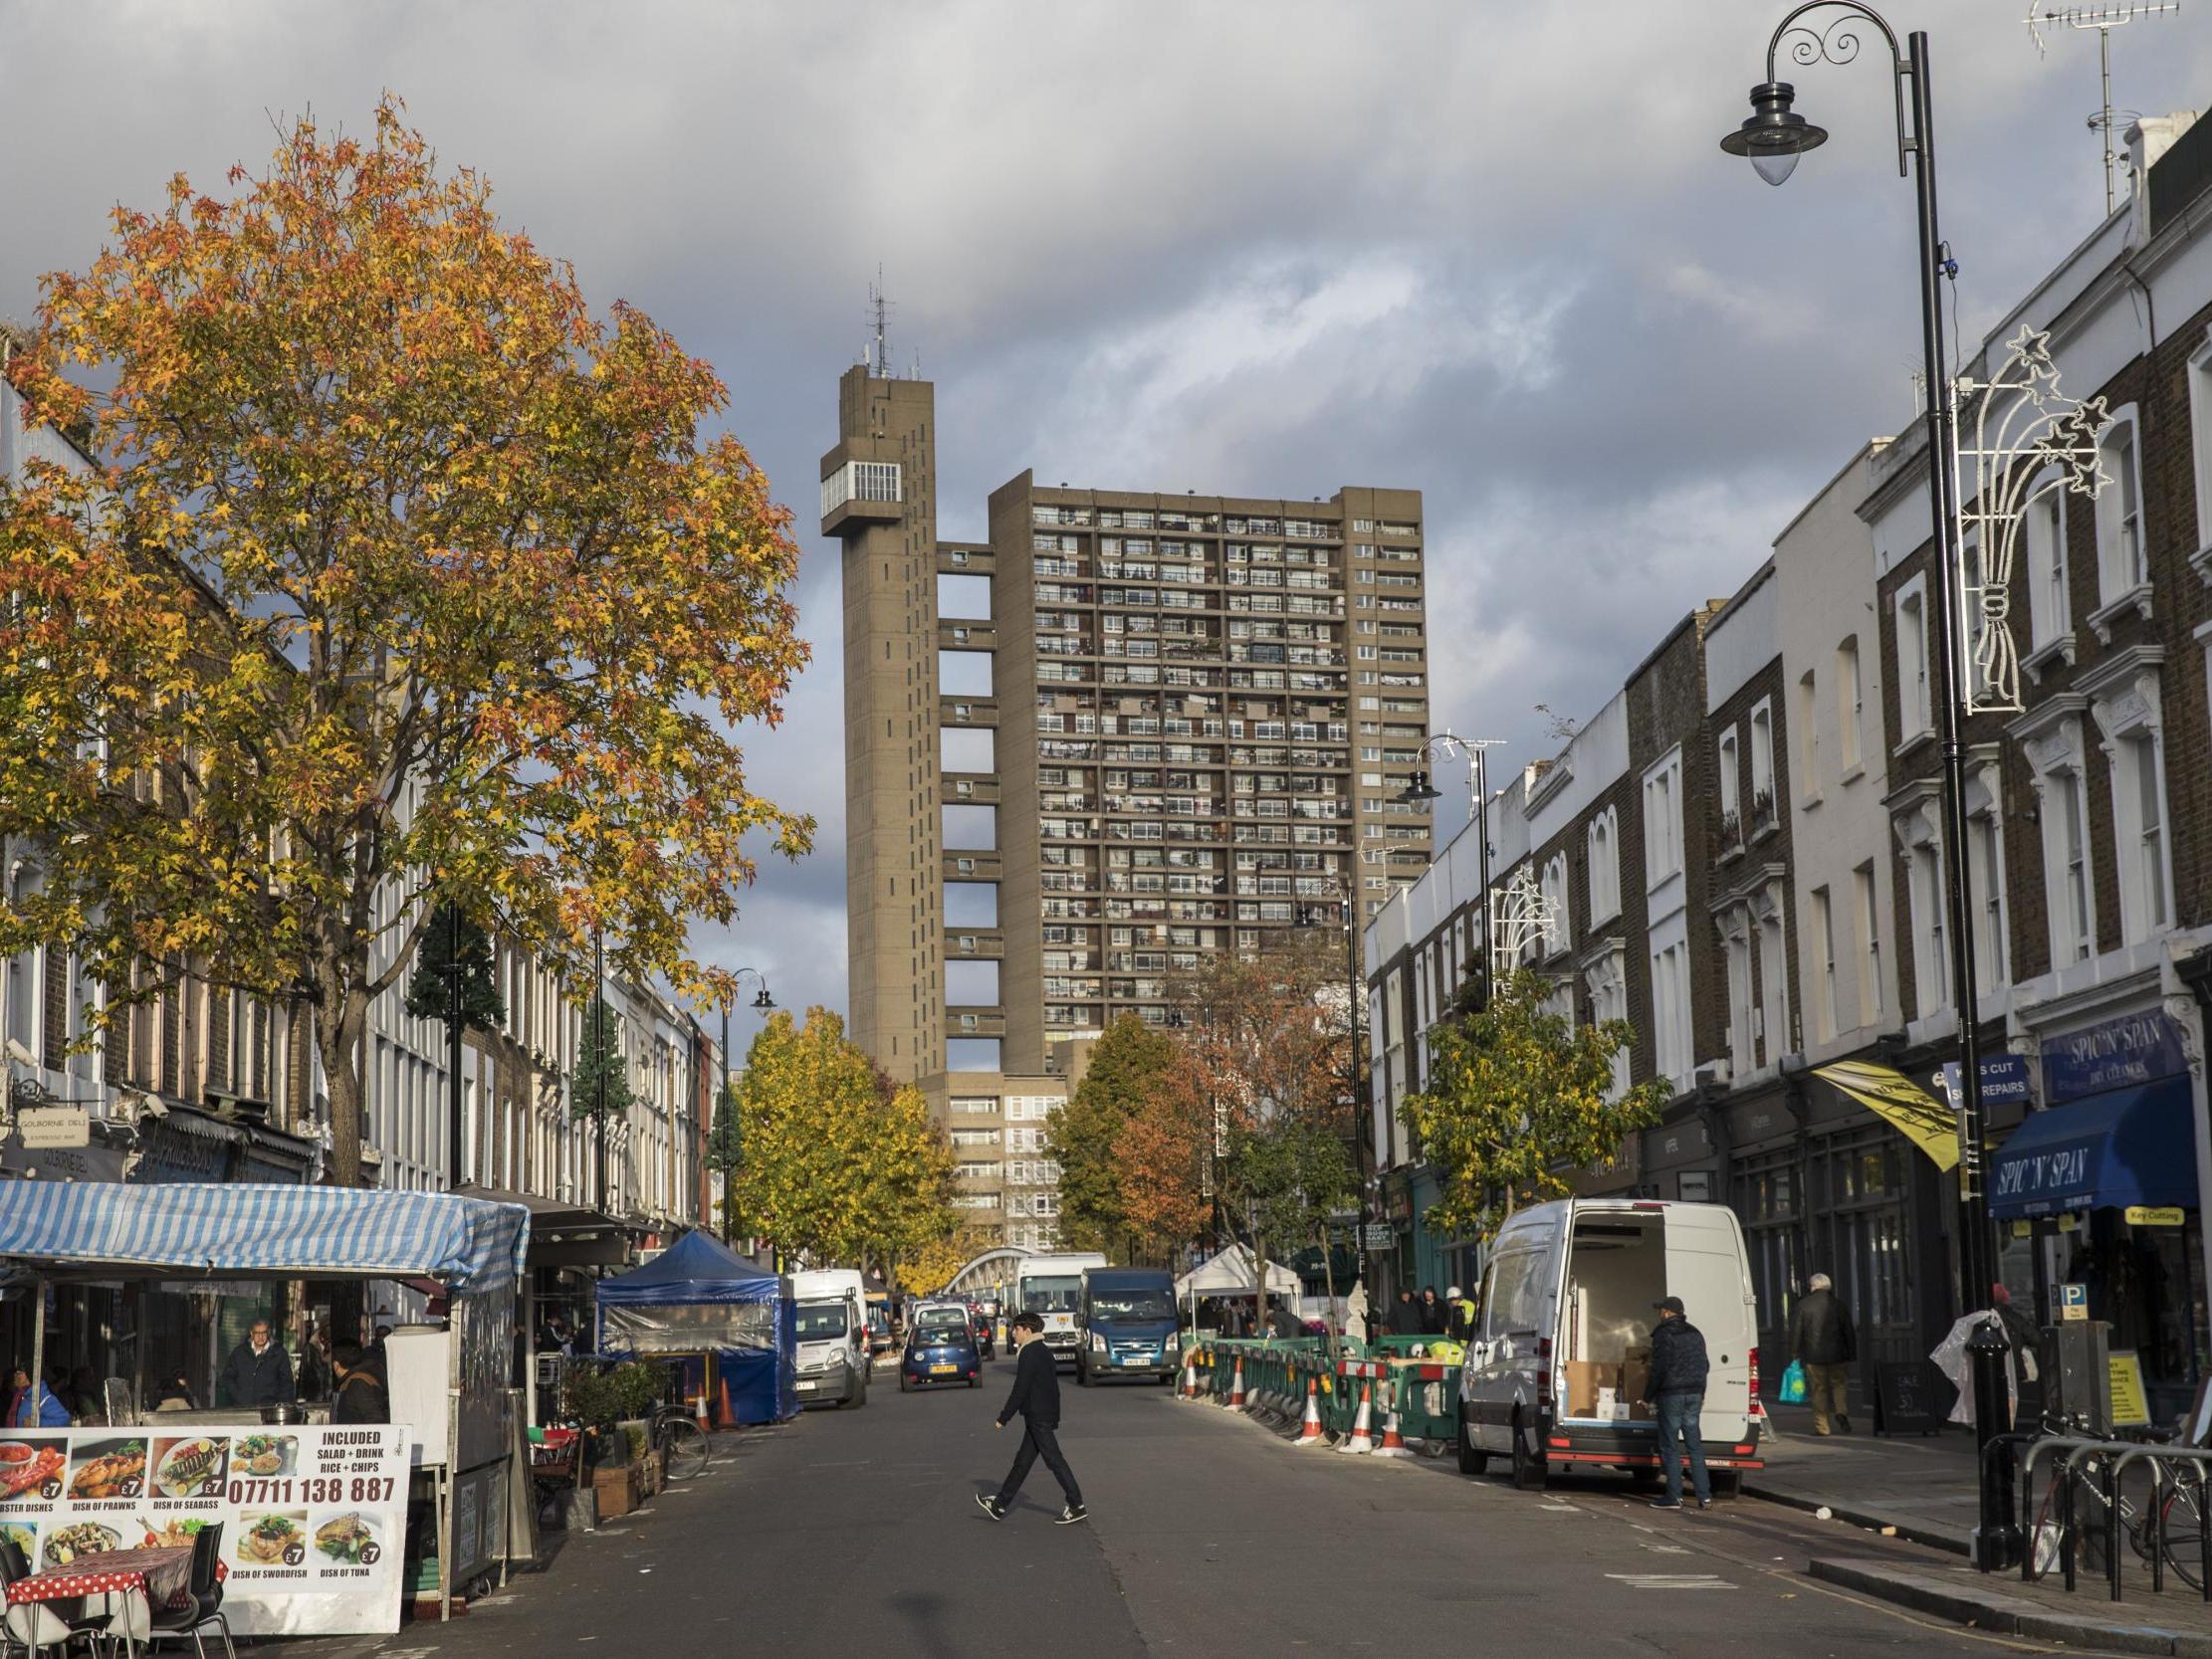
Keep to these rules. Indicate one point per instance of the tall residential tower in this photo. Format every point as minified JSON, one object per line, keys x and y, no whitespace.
{"x":1129,"y":730}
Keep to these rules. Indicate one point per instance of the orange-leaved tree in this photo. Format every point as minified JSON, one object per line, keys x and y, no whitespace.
{"x":398,"y":578}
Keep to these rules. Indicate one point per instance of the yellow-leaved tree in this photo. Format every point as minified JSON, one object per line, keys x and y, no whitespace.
{"x":931,"y":1268}
{"x":837,"y":1164}
{"x":396,"y":578}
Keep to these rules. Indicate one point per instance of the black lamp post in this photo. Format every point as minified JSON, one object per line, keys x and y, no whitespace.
{"x":1773,"y":139}
{"x":764,"y":1003}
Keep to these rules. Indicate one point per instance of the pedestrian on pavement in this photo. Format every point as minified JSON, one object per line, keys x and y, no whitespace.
{"x":2020,"y":1331}
{"x":313,"y":1376}
{"x":1405,"y":1314}
{"x":361,"y":1396}
{"x":1281,"y":1322}
{"x":1432,"y":1312}
{"x":1037,"y":1401}
{"x":1678,"y":1370}
{"x":1459,"y":1310}
{"x":48,"y":1412}
{"x":258,"y":1371}
{"x":1824,"y":1346}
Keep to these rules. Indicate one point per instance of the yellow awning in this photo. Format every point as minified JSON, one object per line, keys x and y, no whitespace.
{"x":1895,"y":1098}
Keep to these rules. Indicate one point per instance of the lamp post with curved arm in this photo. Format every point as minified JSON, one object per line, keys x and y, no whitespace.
{"x":1773,"y":139}
{"x":765,"y":1002}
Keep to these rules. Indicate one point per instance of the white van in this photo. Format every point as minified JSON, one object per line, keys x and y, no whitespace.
{"x":1050,"y":1287}
{"x":833,"y":1336}
{"x":1557,"y":1372}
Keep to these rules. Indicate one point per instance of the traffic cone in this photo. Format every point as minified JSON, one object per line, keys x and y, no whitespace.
{"x":1190,"y":1389}
{"x":1309,"y":1432}
{"x":1237,"y":1388}
{"x":1363,"y":1427}
{"x":1393,"y":1443}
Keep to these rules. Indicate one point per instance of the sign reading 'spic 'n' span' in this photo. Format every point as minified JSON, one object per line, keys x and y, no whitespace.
{"x":314,"y":1519}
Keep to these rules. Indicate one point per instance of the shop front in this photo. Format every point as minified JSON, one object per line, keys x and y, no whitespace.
{"x":2099,"y":1189}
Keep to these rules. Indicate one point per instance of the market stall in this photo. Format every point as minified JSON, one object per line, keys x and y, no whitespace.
{"x":315,"y":1515}
{"x":1229,"y":1276}
{"x":700,"y":1300}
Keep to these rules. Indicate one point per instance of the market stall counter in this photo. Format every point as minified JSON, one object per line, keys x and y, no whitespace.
{"x":314,"y":1516}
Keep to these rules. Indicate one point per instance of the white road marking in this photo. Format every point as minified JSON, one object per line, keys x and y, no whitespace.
{"x":1666,"y":1549}
{"x":1670,"y":1580}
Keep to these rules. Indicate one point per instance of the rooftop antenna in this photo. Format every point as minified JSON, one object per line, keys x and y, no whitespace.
{"x":880,"y":309}
{"x":2103,"y":19}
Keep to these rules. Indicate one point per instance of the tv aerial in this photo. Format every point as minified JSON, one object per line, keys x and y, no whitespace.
{"x":2103,"y":19}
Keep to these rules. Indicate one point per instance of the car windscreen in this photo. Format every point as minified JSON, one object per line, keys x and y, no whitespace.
{"x":934,"y":1329}
{"x":1050,"y":1296}
{"x":818,"y":1321}
{"x":1152,"y":1304}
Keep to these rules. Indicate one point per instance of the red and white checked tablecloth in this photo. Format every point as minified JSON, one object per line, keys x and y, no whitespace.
{"x":164,"y":1575}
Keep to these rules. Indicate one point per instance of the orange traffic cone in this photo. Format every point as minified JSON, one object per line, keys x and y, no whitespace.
{"x":1237,"y":1388}
{"x":1393,"y":1443}
{"x":1363,"y":1427}
{"x":1190,"y":1389}
{"x":1309,"y":1432}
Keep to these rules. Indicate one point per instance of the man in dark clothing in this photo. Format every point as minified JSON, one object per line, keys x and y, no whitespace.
{"x":1824,"y":1344}
{"x":1678,"y":1370}
{"x":1432,"y":1311}
{"x":1405,"y":1315}
{"x":258,"y":1371}
{"x":361,"y":1396}
{"x":1037,"y":1401}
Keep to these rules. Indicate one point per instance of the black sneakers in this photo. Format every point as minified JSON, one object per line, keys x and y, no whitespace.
{"x":990,"y":1506}
{"x":1667,"y":1502}
{"x":1072,"y":1514}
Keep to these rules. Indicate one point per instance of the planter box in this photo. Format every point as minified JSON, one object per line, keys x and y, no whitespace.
{"x":616,"y":1492}
{"x":652,"y":1476}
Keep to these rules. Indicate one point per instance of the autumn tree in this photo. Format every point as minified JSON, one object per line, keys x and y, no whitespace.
{"x":1518,"y":1100}
{"x":1264,"y":1072}
{"x":1128,"y":1067}
{"x":400,"y":579}
{"x":835,"y":1165}
{"x":726,"y":1147}
{"x":1160,"y":1166}
{"x":931,"y":1268}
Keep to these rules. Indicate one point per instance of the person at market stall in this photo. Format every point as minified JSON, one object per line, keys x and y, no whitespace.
{"x":361,"y":1396}
{"x":313,"y":1376}
{"x":174,"y":1393}
{"x":48,"y":1413}
{"x":258,"y":1371}
{"x":83,"y":1396}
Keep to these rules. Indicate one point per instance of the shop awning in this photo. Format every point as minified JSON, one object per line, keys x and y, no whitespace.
{"x":239,"y":1229}
{"x":2131,"y":1147}
{"x":1899,"y":1101}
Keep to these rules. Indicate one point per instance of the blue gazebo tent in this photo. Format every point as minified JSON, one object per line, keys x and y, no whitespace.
{"x":699,"y":1297}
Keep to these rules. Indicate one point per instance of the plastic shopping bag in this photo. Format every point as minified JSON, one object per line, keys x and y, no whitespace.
{"x":1793,"y":1384}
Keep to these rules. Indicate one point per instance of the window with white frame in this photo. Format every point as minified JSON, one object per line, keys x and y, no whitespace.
{"x":2150,"y":828}
{"x":2050,"y":611}
{"x":1920,"y":839}
{"x":2126,"y":707}
{"x":1670,"y":1029}
{"x":1985,"y":868}
{"x":1915,"y":712}
{"x":1824,"y":1012}
{"x":1731,"y":787}
{"x":2200,"y":436}
{"x":1762,"y":764}
{"x":1774,"y":978}
{"x":1553,"y":885}
{"x":1606,"y":980}
{"x":1605,"y":867}
{"x":1808,"y":738}
{"x":1866,"y":922}
{"x":1851,"y":697}
{"x":1735,"y":941}
{"x":2122,"y":558}
{"x":1662,"y":821}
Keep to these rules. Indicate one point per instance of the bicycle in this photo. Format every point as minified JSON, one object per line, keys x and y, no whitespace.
{"x":2180,"y":1508}
{"x":682,"y":1444}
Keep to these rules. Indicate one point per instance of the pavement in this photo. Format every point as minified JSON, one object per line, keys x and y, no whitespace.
{"x":1923,"y":1486}
{"x":848,"y":1531}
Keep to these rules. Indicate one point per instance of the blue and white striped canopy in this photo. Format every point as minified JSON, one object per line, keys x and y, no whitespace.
{"x":244,"y":1229}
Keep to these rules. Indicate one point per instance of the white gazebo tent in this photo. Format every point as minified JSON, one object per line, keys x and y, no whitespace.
{"x":1230,"y":1274}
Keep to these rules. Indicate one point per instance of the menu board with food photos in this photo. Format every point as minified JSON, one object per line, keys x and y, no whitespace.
{"x":314,"y":1519}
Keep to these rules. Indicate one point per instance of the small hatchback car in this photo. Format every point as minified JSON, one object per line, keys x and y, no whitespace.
{"x":940,"y":1347}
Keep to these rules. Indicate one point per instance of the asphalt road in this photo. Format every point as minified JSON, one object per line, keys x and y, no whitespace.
{"x":857,"y":1531}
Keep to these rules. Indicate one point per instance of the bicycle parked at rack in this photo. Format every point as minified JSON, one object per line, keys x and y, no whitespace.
{"x":681,"y":1442}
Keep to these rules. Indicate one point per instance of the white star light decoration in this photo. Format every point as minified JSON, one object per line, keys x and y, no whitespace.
{"x":2027,"y":440}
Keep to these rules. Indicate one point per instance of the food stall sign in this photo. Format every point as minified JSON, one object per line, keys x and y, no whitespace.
{"x":49,"y":1128}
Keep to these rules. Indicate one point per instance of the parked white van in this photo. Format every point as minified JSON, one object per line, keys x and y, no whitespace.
{"x":833,"y":1336}
{"x":1558,"y":1372}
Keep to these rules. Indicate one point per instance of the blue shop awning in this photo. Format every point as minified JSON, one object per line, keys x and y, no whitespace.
{"x":2131,"y":1147}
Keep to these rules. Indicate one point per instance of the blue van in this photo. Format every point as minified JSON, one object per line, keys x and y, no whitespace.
{"x":1126,"y":1320}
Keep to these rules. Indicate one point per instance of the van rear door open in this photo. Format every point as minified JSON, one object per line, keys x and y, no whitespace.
{"x":1705,"y":1268}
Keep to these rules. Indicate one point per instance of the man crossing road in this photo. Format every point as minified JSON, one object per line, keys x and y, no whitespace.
{"x":1037,"y":1401}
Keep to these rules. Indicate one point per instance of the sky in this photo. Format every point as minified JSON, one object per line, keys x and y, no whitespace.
{"x":1489,"y":252}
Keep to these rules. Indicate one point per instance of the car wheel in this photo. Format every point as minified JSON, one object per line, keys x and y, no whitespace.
{"x":1472,"y":1461}
{"x":1529,"y":1473}
{"x":905,"y":1387}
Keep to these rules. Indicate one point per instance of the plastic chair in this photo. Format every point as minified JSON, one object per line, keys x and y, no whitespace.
{"x":203,"y":1605}
{"x":37,"y":1625}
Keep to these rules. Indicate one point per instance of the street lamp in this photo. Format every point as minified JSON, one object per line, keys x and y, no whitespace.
{"x":763,"y":1002}
{"x":1773,"y":139}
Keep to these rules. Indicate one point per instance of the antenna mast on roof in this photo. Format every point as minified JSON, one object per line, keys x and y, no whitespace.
{"x":880,"y":309}
{"x":2103,"y":19}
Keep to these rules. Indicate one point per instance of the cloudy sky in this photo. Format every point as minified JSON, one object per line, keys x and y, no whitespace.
{"x":1488,"y":251}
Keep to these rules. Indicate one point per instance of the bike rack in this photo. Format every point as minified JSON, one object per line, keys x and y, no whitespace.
{"x":2073,"y":1445}
{"x":2156,"y":1520}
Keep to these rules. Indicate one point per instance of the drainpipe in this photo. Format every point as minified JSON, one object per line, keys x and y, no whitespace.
{"x":2193,"y":1013}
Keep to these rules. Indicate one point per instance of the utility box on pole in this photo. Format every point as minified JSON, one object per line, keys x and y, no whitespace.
{"x":2075,"y":1362}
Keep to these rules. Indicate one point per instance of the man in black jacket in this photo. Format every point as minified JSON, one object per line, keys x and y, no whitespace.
{"x":1678,"y":1370}
{"x":1037,"y":1401}
{"x":1824,"y":1344}
{"x":257,"y":1373}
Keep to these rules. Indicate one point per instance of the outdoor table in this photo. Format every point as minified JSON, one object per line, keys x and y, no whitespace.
{"x":163,"y":1575}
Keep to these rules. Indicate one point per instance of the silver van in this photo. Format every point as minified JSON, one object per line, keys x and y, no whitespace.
{"x":1557,"y":1375}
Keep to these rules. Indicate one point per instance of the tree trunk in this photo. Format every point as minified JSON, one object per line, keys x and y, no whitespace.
{"x":340,"y":1022}
{"x":1333,"y":1325}
{"x":1260,"y":1284}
